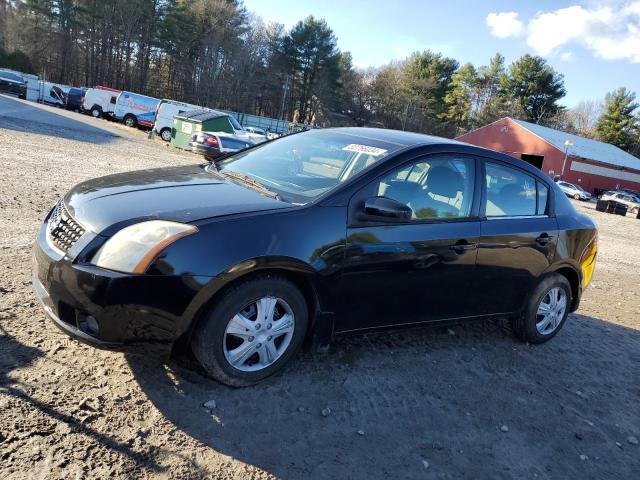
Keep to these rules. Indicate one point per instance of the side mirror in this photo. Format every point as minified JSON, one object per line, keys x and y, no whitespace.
{"x":387,"y":208}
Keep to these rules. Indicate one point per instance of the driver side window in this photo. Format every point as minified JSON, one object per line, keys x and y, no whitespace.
{"x":438,"y":187}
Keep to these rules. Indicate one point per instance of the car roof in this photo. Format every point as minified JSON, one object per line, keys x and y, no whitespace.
{"x":398,"y":137}
{"x":411,"y":140}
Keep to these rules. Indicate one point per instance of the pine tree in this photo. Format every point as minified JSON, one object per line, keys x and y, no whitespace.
{"x":618,"y":124}
{"x":536,"y":87}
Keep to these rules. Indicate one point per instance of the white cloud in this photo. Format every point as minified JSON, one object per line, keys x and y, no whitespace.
{"x":610,"y":32}
{"x":568,"y":57}
{"x":504,"y":24}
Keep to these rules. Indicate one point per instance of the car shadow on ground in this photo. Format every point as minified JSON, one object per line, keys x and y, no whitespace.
{"x":14,"y":429}
{"x":27,"y":117}
{"x":384,"y":404}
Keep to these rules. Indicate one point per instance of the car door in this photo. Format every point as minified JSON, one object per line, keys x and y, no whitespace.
{"x":518,"y":237}
{"x":418,"y":268}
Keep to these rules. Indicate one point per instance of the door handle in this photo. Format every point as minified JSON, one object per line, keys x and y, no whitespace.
{"x":462,"y":246}
{"x":543,"y":239}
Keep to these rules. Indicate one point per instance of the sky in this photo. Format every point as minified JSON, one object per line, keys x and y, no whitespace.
{"x":595,"y":44}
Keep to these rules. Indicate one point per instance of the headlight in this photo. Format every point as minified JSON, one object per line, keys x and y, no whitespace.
{"x":133,"y":248}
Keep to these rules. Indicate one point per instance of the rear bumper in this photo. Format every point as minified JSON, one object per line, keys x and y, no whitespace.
{"x":142,"y":314}
{"x":207,"y":151}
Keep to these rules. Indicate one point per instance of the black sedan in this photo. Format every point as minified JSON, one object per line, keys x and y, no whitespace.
{"x":13,"y":83}
{"x":313,"y":234}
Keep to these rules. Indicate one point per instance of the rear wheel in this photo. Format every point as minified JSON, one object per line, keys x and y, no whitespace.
{"x":165,"y":134}
{"x":577,"y":196}
{"x":252,"y":331}
{"x":546,"y":310}
{"x":96,"y":112}
{"x":130,"y":121}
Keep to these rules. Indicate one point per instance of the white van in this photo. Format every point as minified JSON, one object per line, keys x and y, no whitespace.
{"x":167,"y":109}
{"x":53,"y":93}
{"x":100,"y":101}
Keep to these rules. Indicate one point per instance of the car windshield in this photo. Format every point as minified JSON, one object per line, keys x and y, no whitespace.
{"x":235,"y":123}
{"x":11,"y":76}
{"x":303,"y":166}
{"x":578,"y":187}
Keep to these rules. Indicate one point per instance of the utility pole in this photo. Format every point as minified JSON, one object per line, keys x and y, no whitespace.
{"x":285,"y":89}
{"x":567,"y":144}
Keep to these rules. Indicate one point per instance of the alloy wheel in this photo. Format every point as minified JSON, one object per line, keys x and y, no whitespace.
{"x":551,"y":310}
{"x":166,"y":135}
{"x":259,"y":334}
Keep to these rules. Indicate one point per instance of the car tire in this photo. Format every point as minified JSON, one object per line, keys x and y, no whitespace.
{"x":215,"y":348}
{"x":529,"y":325}
{"x":577,"y":196}
{"x":96,"y":112}
{"x":130,"y":121}
{"x":165,"y":134}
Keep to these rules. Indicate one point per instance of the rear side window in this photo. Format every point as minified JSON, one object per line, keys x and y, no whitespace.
{"x":233,"y":143}
{"x":543,"y":199}
{"x":510,"y":192}
{"x":113,"y":100}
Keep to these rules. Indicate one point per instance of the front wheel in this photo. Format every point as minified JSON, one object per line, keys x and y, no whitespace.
{"x":252,"y":331}
{"x":546,"y":310}
{"x":165,"y":134}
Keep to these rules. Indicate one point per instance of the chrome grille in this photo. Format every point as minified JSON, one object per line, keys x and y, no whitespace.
{"x":63,"y":230}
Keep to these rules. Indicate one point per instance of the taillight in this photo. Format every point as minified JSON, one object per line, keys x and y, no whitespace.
{"x":212,"y":140}
{"x":588,"y":260}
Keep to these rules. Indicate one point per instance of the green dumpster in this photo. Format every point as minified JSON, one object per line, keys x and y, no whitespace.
{"x":188,"y":123}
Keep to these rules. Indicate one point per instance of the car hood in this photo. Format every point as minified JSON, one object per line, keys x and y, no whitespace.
{"x":182,"y":194}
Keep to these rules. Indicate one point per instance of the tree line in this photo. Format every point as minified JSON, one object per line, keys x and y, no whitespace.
{"x":214,"y":53}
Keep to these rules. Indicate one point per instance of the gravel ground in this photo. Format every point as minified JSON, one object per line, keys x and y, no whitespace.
{"x":468,"y":401}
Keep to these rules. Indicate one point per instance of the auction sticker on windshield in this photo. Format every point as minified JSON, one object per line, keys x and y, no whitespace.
{"x":355,"y":147}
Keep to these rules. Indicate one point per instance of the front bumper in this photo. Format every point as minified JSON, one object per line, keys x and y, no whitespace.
{"x":10,"y":89}
{"x":131,"y":313}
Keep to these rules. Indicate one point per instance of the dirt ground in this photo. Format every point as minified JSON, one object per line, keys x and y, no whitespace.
{"x":468,"y":401}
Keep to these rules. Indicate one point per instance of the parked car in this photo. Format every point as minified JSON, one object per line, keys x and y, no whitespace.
{"x":634,"y":193}
{"x":13,"y":84}
{"x":326,"y":231}
{"x":134,"y":109}
{"x":165,"y":112}
{"x":257,"y":130}
{"x":631,"y":201}
{"x":215,"y":145}
{"x":573,"y":190}
{"x":75,"y":98}
{"x":257,"y":135}
{"x":100,"y":101}
{"x":53,"y":94}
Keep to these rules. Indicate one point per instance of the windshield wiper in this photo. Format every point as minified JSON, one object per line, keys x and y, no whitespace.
{"x":251,"y":182}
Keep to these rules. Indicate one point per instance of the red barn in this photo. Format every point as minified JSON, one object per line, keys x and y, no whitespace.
{"x":579,"y":160}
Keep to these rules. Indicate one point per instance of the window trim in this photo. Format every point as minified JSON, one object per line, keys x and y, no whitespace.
{"x":550,"y":211}
{"x":366,"y":191}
